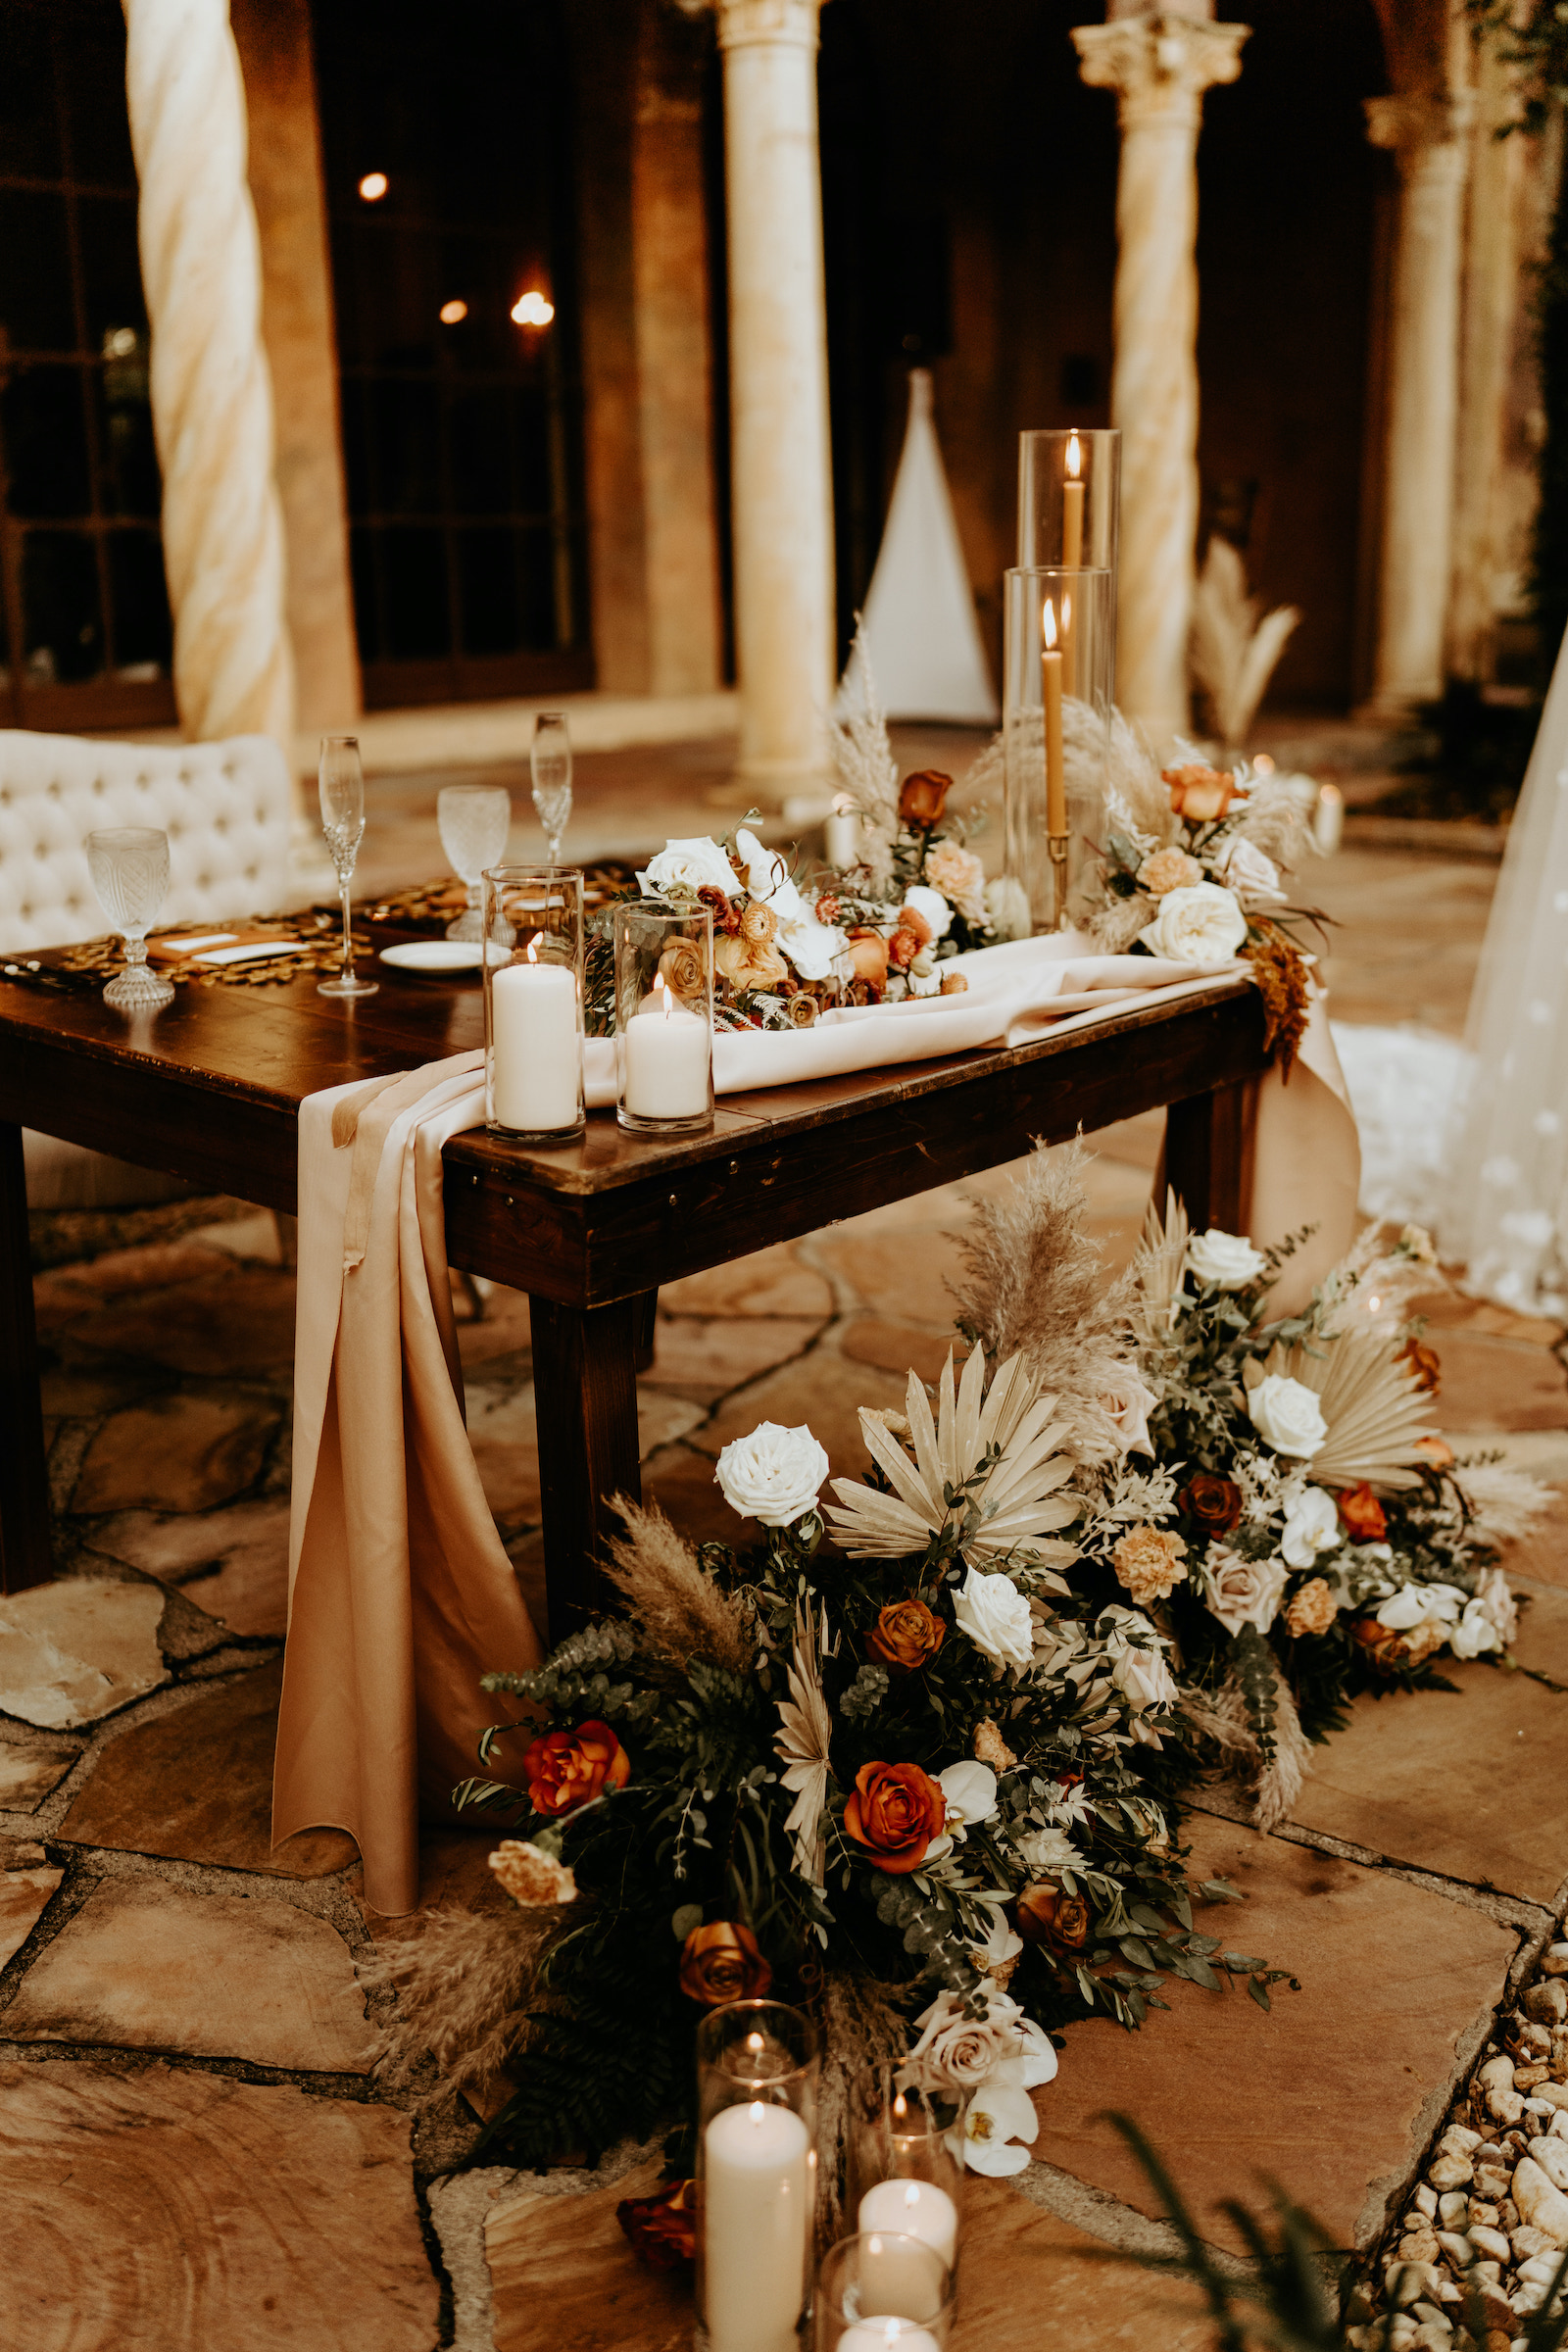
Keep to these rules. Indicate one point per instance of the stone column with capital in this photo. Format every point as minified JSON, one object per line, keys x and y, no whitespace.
{"x":1159,"y":64}
{"x":781,"y":473}
{"x":1428,"y":135}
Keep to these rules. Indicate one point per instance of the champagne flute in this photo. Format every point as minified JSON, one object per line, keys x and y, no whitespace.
{"x":342,"y":786}
{"x":130,"y":870}
{"x":550,"y":758}
{"x":475,"y":820}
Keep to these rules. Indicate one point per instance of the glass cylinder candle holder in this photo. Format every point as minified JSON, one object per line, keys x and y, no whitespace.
{"x":663,"y":1018}
{"x":1058,"y":639}
{"x":757,"y":2083}
{"x":533,"y":954}
{"x":907,"y":2169}
{"x":881,"y":2291}
{"x":1070,"y":499}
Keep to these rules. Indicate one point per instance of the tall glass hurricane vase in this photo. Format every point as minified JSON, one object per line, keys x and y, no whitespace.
{"x":130,"y":870}
{"x":550,"y":760}
{"x":475,"y":820}
{"x":342,"y":789}
{"x":758,"y":2065}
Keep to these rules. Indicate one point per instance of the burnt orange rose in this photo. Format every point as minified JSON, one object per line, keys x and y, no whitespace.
{"x":721,"y":1963}
{"x":1214,"y":1502}
{"x":895,"y":1810}
{"x":1048,"y":1914}
{"x":1390,"y":1648}
{"x":1362,"y":1515}
{"x":868,"y":952}
{"x":662,"y":2227}
{"x":1435,"y":1451}
{"x":924,"y":796}
{"x":1199,"y":793}
{"x":569,"y":1769}
{"x":906,"y":1635}
{"x":1425,"y":1363}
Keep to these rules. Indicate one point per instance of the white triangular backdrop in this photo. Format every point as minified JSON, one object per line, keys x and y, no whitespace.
{"x":919,"y":624}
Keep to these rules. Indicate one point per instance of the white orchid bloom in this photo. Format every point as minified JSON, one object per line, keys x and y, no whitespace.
{"x":1000,"y":2115}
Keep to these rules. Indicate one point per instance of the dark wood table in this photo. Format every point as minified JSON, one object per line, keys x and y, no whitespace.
{"x":210,"y":1088}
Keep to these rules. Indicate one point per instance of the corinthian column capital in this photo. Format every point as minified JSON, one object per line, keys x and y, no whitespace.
{"x":768,"y":24}
{"x":1159,"y":65}
{"x":1419,"y":125}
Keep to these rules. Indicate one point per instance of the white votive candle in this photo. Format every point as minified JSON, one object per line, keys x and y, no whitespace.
{"x":886,"y":2336}
{"x":537,"y":1052}
{"x":914,"y":2209}
{"x":667,"y":1055}
{"x":757,"y":2211}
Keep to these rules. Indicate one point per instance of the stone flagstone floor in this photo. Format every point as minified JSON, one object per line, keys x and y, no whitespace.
{"x":195,"y":2147}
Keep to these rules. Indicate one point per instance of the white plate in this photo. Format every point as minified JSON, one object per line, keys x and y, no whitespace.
{"x":436,"y":955}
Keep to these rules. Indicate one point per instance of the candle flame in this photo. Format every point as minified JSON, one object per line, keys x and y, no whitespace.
{"x":754,"y":2041}
{"x":756,"y":2109}
{"x":911,"y":2195}
{"x":893,"y":2331}
{"x":534,"y":944}
{"x":1048,"y":625}
{"x":1074,"y":456}
{"x":901,"y":2106}
{"x":875,"y":2246}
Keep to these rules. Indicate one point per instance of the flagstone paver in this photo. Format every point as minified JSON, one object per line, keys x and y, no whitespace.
{"x":233,"y":1562}
{"x":235,"y":1321}
{"x":821,"y":1389}
{"x":704,"y":1358}
{"x":23,"y":1893}
{"x":176,"y":1454}
{"x":28,"y":1774}
{"x":1475,"y":1788}
{"x":776,"y":1280}
{"x":1329,"y":2091}
{"x":197,"y":1784}
{"x":75,"y":1651}
{"x":160,"y":2207}
{"x":144,"y":1965}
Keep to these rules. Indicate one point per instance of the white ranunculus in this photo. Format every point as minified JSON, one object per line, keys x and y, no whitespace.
{"x":1129,"y":1400}
{"x":775,"y":1475}
{"x":1254,"y":878}
{"x":996,"y":1616}
{"x":1288,"y":1416}
{"x":1420,"y":1605}
{"x":1475,"y":1631}
{"x":1201,"y":924}
{"x":810,"y":945}
{"x":932,"y":906}
{"x":1242,"y":1591}
{"x":970,"y":1790}
{"x":1225,"y":1260}
{"x":1144,"y":1679}
{"x":1311,"y":1525}
{"x":999,"y":2116}
{"x":694,"y":864}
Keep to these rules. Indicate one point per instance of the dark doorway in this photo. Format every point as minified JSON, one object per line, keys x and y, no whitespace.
{"x":86,"y":632}
{"x":447,"y":146}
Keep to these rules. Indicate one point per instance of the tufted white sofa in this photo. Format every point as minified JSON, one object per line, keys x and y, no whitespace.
{"x":225,"y":808}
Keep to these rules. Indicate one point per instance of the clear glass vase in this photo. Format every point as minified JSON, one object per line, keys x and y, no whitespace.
{"x":907,"y":2169}
{"x":533,"y":1026}
{"x":1070,"y":499}
{"x":1059,"y":641}
{"x":663,"y":1019}
{"x":880,"y":2291}
{"x":758,"y":2064}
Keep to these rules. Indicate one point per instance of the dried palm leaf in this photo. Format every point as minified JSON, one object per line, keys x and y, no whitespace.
{"x":1017,"y":1498}
{"x":1505,"y":1503}
{"x":803,"y":1746}
{"x":1158,"y":1265}
{"x":1232,"y":652}
{"x":1375,"y":1409}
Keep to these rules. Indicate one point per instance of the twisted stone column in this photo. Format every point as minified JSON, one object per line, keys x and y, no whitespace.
{"x":782,"y":484}
{"x":1427,"y":136}
{"x":1161,"y":66}
{"x":212,"y":397}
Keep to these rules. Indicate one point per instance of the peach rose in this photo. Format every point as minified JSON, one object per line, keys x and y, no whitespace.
{"x":868,"y":952}
{"x":1313,"y":1609}
{"x":924,"y":796}
{"x":960,"y":877}
{"x":721,"y":1963}
{"x":1362,"y":1515}
{"x":568,"y":1768}
{"x":746,"y":966}
{"x":906,"y":1635}
{"x":1200,"y":793}
{"x":894,"y":1811}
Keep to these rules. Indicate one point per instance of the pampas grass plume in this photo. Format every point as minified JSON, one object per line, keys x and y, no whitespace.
{"x":680,"y":1612}
{"x":462,"y":1987}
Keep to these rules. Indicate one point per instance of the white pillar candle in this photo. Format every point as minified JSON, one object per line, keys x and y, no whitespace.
{"x":886,"y":2336}
{"x":841,"y":841}
{"x":537,"y":1052}
{"x":667,"y":1055}
{"x":914,"y":2209}
{"x":756,"y":2213}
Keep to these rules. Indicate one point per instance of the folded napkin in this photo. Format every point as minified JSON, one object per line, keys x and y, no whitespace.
{"x":400,"y":1593}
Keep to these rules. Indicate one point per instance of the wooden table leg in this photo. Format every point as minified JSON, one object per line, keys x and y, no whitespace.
{"x":26,"y":1556}
{"x":585,"y":1409}
{"x":1207,"y":1158}
{"x":647,"y":1329}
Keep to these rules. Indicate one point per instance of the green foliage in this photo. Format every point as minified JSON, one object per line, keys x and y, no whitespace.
{"x":1252,"y":1664}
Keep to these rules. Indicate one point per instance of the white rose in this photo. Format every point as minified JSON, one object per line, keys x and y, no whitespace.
{"x":775,"y":1475}
{"x":970,"y":1790}
{"x":1420,"y":1605}
{"x":1225,"y":1260}
{"x":1475,"y":1631}
{"x":1311,"y":1525}
{"x":1047,"y":1851}
{"x":1288,"y":1416}
{"x":1144,"y":1679}
{"x":1201,"y":924}
{"x":957,"y":2054}
{"x":1254,"y":878}
{"x":1243,"y":1592}
{"x":1129,"y":1400}
{"x":1007,"y":907}
{"x":810,"y":945}
{"x":694,"y":864}
{"x":933,"y":905}
{"x":996,"y":1616}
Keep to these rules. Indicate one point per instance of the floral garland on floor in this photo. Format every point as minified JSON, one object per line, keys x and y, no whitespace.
{"x":913,"y":1758}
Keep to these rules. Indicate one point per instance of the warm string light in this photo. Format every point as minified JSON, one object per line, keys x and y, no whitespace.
{"x":532,"y":308}
{"x":452,"y":313}
{"x":373,"y":187}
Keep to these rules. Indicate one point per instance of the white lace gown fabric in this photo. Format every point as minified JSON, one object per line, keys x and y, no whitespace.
{"x":1405,"y":1088}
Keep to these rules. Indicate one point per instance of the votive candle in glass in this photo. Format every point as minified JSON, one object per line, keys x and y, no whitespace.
{"x":756,"y":2080}
{"x":907,"y":2170}
{"x":663,"y":1018}
{"x":880,"y":2291}
{"x":533,"y":950}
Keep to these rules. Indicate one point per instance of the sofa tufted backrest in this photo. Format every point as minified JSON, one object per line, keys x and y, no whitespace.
{"x":225,"y":808}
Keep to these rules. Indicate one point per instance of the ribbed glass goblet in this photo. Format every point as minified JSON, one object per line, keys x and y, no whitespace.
{"x":474,"y":821}
{"x":130,"y":870}
{"x":550,"y":763}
